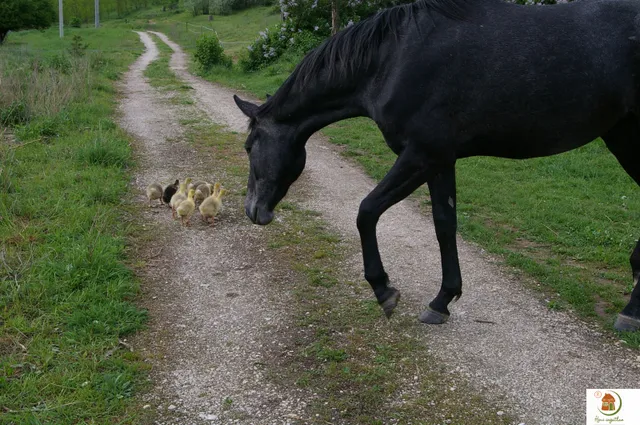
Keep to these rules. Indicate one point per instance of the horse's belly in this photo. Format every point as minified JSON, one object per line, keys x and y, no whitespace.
{"x":521,"y":146}
{"x":545,"y":134}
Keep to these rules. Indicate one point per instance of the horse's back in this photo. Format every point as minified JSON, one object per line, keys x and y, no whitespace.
{"x":558,"y":76}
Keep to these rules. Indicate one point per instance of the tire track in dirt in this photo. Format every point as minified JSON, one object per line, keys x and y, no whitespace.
{"x":215,"y":313}
{"x":541,"y":360}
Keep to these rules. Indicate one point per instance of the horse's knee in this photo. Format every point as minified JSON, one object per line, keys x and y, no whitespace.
{"x":368,"y":215}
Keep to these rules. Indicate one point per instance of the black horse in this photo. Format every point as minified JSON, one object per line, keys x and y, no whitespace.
{"x":450,"y":79}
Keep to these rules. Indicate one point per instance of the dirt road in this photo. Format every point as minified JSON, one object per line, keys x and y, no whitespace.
{"x":540,"y":360}
{"x":214,"y":312}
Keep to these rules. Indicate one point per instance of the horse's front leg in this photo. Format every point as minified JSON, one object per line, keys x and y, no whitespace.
{"x":410,"y":171}
{"x":443,"y":202}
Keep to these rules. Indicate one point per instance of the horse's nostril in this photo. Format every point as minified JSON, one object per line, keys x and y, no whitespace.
{"x":252,"y":212}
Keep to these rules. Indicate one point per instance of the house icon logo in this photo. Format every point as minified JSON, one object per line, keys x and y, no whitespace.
{"x":613,"y":406}
{"x":610,"y":402}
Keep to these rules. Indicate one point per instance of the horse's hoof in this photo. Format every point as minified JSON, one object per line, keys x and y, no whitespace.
{"x":433,"y":317}
{"x":626,"y":323}
{"x":390,"y":303}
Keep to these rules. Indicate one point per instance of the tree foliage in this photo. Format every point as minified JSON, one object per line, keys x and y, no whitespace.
{"x":24,"y":14}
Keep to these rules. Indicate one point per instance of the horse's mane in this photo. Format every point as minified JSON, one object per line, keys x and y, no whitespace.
{"x":354,"y":48}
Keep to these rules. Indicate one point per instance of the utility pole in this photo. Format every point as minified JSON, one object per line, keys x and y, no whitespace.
{"x":60,"y":18}
{"x":97,"y":6}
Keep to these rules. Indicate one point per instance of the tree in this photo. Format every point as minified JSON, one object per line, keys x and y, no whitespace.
{"x":24,"y":14}
{"x":335,"y":17}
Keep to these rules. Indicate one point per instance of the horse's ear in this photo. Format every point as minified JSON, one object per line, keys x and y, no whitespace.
{"x":247,"y":108}
{"x":268,"y":96}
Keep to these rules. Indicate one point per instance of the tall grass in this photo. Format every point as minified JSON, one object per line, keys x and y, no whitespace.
{"x":36,"y":87}
{"x":65,"y":291}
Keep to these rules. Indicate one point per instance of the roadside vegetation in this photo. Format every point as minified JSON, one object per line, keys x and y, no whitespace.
{"x":66,"y":293}
{"x":567,"y":221}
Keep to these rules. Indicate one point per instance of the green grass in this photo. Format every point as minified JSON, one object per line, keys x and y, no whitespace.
{"x":567,"y":221}
{"x":66,"y":294}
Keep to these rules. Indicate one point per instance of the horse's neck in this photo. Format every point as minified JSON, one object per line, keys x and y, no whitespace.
{"x":313,"y":109}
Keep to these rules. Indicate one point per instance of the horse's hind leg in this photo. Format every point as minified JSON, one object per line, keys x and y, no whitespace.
{"x":624,"y":142}
{"x":443,"y":201}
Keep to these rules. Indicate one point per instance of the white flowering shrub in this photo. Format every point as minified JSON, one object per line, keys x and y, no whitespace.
{"x":273,"y":42}
{"x":269,"y":45}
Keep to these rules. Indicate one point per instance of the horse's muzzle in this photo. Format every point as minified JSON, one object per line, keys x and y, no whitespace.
{"x":259,"y":215}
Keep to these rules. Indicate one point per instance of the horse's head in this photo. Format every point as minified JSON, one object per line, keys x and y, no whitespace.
{"x":276,"y":160}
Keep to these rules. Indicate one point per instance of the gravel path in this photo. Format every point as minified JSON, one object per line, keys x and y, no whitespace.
{"x":215,"y":313}
{"x":540,"y":360}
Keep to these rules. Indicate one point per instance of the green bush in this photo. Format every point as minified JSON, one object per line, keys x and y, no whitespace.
{"x":209,"y":52}
{"x":77,"y":47}
{"x":75,"y":22}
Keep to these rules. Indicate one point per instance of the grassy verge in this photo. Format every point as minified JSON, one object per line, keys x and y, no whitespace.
{"x":567,"y":221}
{"x":65,"y":291}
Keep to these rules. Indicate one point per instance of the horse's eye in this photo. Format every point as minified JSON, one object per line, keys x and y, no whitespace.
{"x":248,"y":149}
